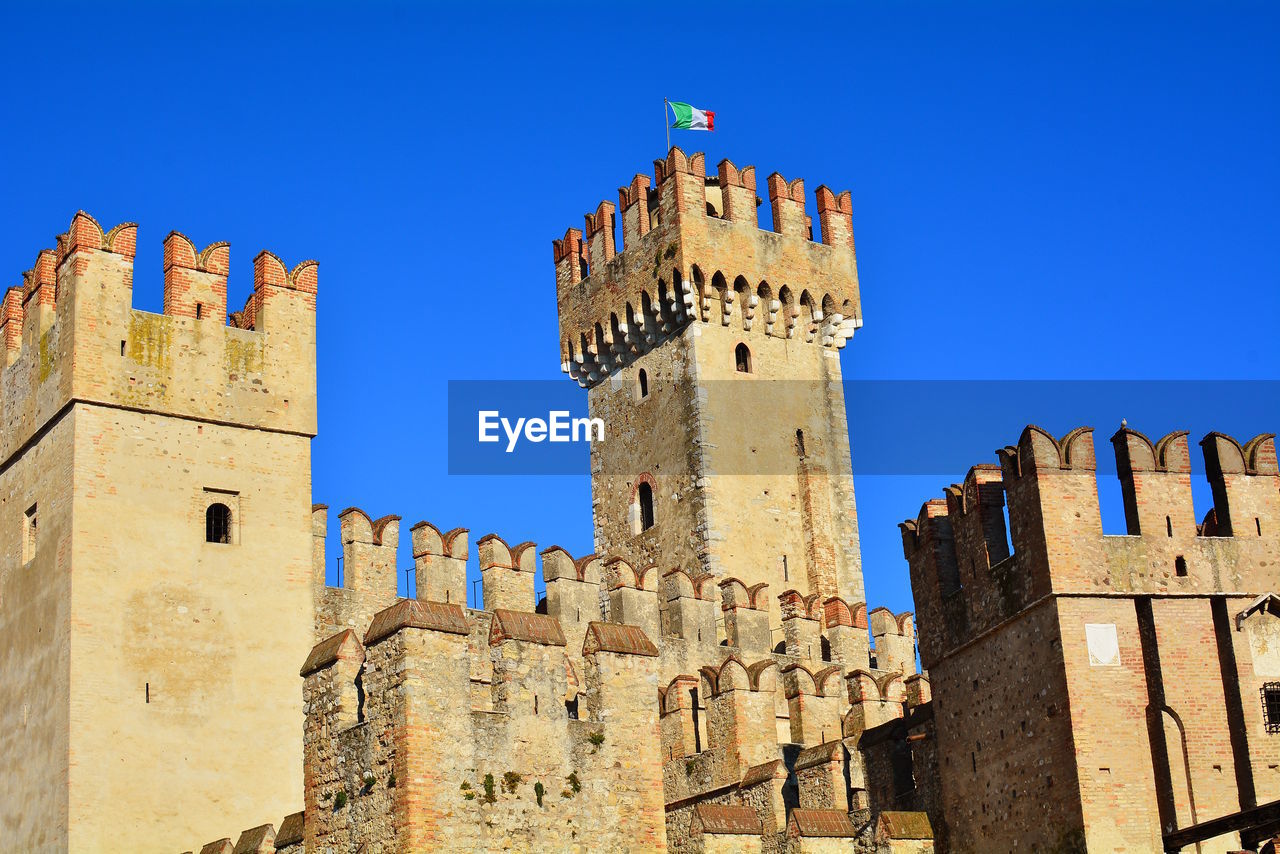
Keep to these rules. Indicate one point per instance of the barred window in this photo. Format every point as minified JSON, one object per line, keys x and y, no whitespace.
{"x":1271,"y":706}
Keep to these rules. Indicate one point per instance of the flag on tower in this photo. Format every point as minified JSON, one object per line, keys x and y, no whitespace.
{"x":691,"y":118}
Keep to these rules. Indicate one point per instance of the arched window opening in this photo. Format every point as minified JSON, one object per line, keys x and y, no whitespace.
{"x":742,"y":359}
{"x":780,"y":648}
{"x":644,"y":498}
{"x":642,"y":383}
{"x":1180,"y":566}
{"x":217,"y":524}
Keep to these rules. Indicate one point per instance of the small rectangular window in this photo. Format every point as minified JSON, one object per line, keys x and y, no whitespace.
{"x":1271,"y":706}
{"x":199,"y":310}
{"x":30,"y":533}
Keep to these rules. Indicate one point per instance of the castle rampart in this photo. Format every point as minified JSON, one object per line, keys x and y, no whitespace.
{"x":1042,"y":652}
{"x":82,"y":340}
{"x":692,"y":250}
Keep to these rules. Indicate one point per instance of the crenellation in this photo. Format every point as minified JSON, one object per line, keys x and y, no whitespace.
{"x":672,"y":251}
{"x":746,"y":616}
{"x":599,"y":235}
{"x":1243,"y":478}
{"x":787,"y":200}
{"x":633,"y":201}
{"x":815,"y":702}
{"x":507,"y":574}
{"x":440,"y":563}
{"x":195,"y":282}
{"x":11,"y":324}
{"x":738,"y":187}
{"x":1054,"y":641}
{"x":894,"y":638}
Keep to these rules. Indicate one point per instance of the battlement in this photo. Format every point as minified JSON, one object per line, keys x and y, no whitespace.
{"x":692,"y":250}
{"x":70,"y":333}
{"x":966,"y":578}
{"x":388,"y":726}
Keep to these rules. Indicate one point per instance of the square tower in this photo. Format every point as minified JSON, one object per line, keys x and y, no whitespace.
{"x":710,"y":348}
{"x":155,"y":570}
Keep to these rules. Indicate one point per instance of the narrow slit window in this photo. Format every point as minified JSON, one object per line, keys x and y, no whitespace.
{"x":644,"y":496}
{"x":217,"y":524}
{"x":1258,"y":523}
{"x":30,"y":532}
{"x":199,"y":310}
{"x":1168,"y":525}
{"x":642,"y":384}
{"x":800,"y":443}
{"x":742,"y":359}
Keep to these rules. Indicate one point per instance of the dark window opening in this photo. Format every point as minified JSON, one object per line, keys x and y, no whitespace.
{"x":800,"y":443}
{"x":1168,"y":526}
{"x":1271,"y":706}
{"x":643,"y":381}
{"x":571,"y":708}
{"x":1258,"y":523}
{"x":781,"y":648}
{"x":904,"y":780}
{"x":199,"y":310}
{"x":217,"y":524}
{"x":535,"y":704}
{"x":786,"y":573}
{"x":826,"y":650}
{"x":693,"y":706}
{"x":742,"y":359}
{"x":121,"y":348}
{"x":147,"y":692}
{"x":360,"y":697}
{"x":645,"y":497}
{"x":1180,"y":565}
{"x":31,"y":526}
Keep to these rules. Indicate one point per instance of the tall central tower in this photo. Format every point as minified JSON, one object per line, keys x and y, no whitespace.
{"x":710,"y":349}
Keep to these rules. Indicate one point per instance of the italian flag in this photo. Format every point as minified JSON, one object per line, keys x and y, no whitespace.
{"x":691,"y":118}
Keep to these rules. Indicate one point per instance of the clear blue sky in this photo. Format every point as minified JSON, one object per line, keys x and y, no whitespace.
{"x":1041,"y":191}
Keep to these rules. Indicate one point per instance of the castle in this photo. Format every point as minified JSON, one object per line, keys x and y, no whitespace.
{"x":710,"y":679}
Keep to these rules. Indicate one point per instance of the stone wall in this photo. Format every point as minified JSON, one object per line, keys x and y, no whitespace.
{"x":1040,"y":656}
{"x":404,"y":761}
{"x":139,"y":657}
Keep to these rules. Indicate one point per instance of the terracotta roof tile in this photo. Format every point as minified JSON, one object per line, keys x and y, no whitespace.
{"x":525,"y":626}
{"x":417,"y":614}
{"x":760,"y":773}
{"x":291,"y":830}
{"x":903,"y":825}
{"x":326,"y":652}
{"x":256,"y":840}
{"x":821,"y":823}
{"x":819,"y":754}
{"x":726,"y":818}
{"x":615,"y":637}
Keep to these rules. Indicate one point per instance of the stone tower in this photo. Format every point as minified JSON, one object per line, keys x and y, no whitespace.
{"x":710,"y":348}
{"x":155,"y":584}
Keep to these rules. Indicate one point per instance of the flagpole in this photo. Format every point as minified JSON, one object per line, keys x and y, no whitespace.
{"x":667,"y":126}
